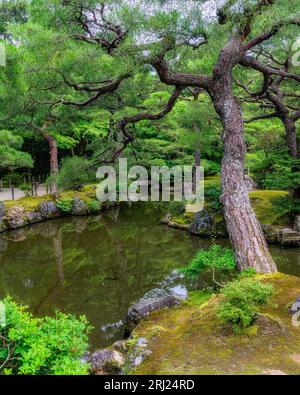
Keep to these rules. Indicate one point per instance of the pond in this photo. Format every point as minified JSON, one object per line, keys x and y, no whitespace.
{"x":99,"y":266}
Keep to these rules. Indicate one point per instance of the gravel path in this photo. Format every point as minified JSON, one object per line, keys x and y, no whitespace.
{"x":7,"y":195}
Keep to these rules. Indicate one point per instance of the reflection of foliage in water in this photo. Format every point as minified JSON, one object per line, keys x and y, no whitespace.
{"x":96,"y":266}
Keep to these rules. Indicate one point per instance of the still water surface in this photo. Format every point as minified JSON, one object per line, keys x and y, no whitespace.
{"x":99,"y":266}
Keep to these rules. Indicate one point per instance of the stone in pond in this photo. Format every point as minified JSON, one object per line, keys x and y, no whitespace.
{"x":49,"y":210}
{"x":144,"y":307}
{"x":15,"y":217}
{"x":203,"y":223}
{"x":79,"y":207}
{"x":106,"y":361}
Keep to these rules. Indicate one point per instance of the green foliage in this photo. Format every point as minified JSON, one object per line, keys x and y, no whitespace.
{"x":65,"y":206}
{"x":212,"y":197}
{"x":248,"y":273}
{"x":242,"y":298}
{"x":287,"y":206}
{"x":176,"y":208}
{"x":211,"y":168}
{"x":278,"y":171}
{"x":215,"y":260}
{"x":94,"y":206}
{"x":74,"y":174}
{"x":26,"y":188}
{"x":42,"y":346}
{"x":10,"y":155}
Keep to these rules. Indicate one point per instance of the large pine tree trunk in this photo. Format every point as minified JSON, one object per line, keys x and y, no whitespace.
{"x":243,"y":227}
{"x":291,"y":137}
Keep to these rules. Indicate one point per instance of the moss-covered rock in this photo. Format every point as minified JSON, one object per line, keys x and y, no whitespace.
{"x":191,"y":340}
{"x":30,"y":210}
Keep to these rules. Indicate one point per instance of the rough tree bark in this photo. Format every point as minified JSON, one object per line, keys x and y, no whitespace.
{"x":243,"y":227}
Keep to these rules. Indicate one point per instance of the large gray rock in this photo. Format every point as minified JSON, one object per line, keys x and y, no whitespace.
{"x":79,"y":207}
{"x":34,"y":217}
{"x":107,"y":361}
{"x":144,"y":307}
{"x":15,"y":217}
{"x":49,"y":210}
{"x":203,"y":223}
{"x":138,"y":353}
{"x":296,"y":306}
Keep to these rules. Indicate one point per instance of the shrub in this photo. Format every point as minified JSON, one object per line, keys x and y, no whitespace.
{"x":215,"y":260}
{"x":26,"y":188}
{"x":74,"y":174}
{"x":42,"y":346}
{"x":94,"y":206}
{"x":242,"y":298}
{"x":65,"y":206}
{"x":212,"y":197}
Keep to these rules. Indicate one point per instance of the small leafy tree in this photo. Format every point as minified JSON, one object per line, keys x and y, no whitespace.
{"x":41,"y":346}
{"x":216,"y":260}
{"x":75,"y":172}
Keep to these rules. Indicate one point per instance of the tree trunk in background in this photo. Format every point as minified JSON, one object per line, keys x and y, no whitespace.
{"x":53,"y":151}
{"x":291,"y":141}
{"x":291,"y":137}
{"x":243,"y":227}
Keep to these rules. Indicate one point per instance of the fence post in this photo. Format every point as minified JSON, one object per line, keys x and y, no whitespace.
{"x":13,"y":192}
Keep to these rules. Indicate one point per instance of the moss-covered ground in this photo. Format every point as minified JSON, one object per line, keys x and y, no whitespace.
{"x":188,"y":339}
{"x":87,"y":194}
{"x":264,"y":202}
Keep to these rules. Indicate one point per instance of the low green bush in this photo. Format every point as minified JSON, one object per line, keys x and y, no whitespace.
{"x":216,"y":260}
{"x":26,"y":188}
{"x":65,"y":206}
{"x":94,"y":206}
{"x":212,"y":197}
{"x":242,"y":300}
{"x":41,"y":346}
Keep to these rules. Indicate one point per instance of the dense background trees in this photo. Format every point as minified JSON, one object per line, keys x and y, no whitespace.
{"x":158,"y":81}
